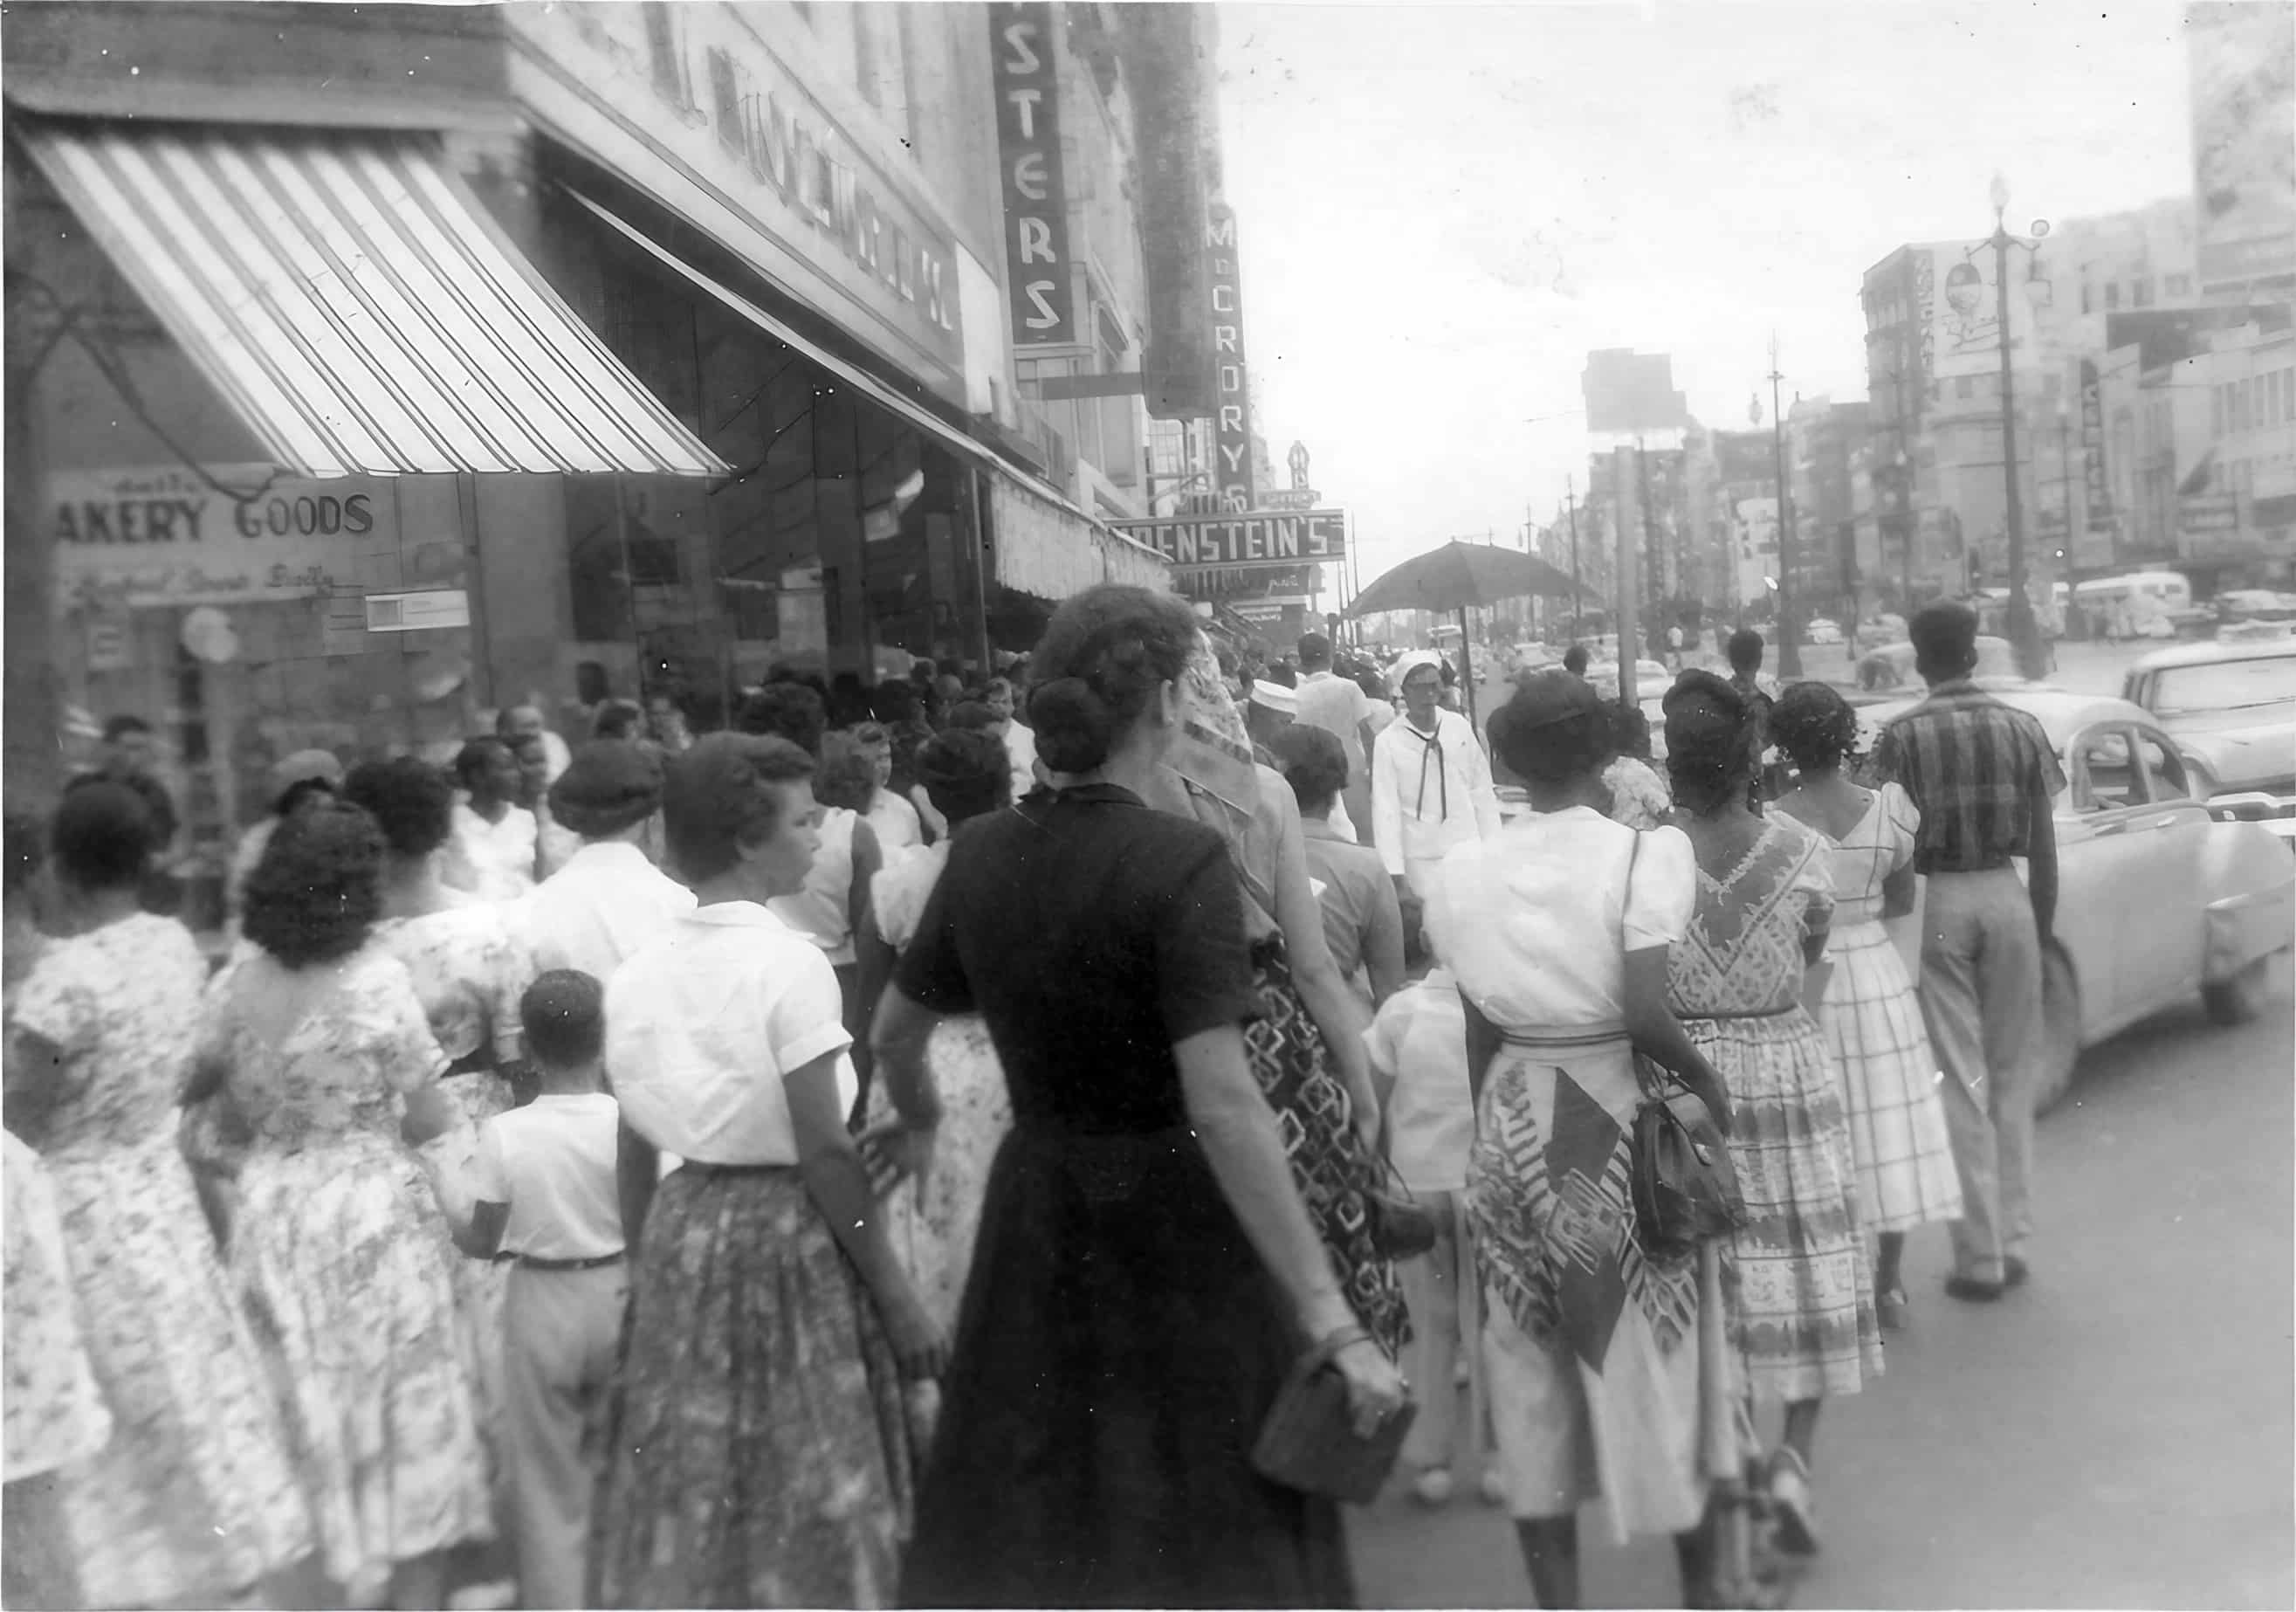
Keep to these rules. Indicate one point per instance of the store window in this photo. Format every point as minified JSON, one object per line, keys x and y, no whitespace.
{"x":2111,"y":294}
{"x":2143,"y":290}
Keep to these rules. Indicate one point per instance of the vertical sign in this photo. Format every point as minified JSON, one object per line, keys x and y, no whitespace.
{"x":2100,"y":489}
{"x":1232,"y":422}
{"x":1022,"y":53}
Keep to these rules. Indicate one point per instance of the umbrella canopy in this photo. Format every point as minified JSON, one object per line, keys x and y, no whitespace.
{"x":1463,"y":576}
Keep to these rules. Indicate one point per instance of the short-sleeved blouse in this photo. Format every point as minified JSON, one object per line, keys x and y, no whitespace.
{"x":359,"y":1044}
{"x":469,"y":968}
{"x":704,"y":1025}
{"x":1092,"y":933}
{"x":1536,"y":923}
{"x":121,"y":1005}
{"x":1861,"y":861}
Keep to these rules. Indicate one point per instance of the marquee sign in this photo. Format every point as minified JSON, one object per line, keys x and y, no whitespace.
{"x":1022,"y":47}
{"x":1254,"y":541}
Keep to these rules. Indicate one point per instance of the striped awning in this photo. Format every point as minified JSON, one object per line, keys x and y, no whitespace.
{"x":349,"y":298}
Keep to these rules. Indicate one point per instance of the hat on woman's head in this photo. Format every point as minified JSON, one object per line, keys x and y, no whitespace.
{"x":1411,"y":661}
{"x":609,"y":786}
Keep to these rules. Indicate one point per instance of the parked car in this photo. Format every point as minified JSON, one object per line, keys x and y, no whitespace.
{"x":1891,"y":666}
{"x":1652,"y":679}
{"x":1536,"y":657}
{"x":2231,"y":707}
{"x":1822,"y":631}
{"x":1876,"y":630}
{"x":2159,"y":895}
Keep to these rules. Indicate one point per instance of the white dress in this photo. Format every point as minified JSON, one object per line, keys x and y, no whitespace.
{"x":1873,"y":1020}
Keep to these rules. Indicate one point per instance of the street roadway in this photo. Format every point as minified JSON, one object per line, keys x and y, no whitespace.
{"x":2118,"y":1432}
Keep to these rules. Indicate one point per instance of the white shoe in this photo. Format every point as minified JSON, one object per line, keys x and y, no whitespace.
{"x":1493,"y":1485}
{"x":1432,"y":1487}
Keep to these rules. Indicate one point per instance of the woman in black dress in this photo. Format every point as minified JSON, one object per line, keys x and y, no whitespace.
{"x":1146,"y":1271}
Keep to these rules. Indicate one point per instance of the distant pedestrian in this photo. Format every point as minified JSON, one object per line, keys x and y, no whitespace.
{"x":1430,"y":784}
{"x":612,"y":896}
{"x":546,"y":1200}
{"x":1363,"y":924}
{"x":1674,"y":648}
{"x":1906,"y":1175}
{"x":1338,"y":706}
{"x":1984,"y":779}
{"x":491,"y":854}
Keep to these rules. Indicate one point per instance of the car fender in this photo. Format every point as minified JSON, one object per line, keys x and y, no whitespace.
{"x":2249,"y":880}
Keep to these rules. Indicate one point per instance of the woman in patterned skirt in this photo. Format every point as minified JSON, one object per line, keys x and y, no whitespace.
{"x":758,"y":1442}
{"x":933,"y":1223}
{"x":192,"y":1497}
{"x":1601,"y":1379}
{"x":1873,"y":1020}
{"x":1800,"y":1291}
{"x":319,"y":1042}
{"x":1306,"y":1047}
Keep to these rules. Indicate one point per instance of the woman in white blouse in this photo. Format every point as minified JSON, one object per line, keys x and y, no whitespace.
{"x":1557,"y":930}
{"x":758,"y":1453}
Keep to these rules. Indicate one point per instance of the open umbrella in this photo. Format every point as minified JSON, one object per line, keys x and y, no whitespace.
{"x":1461,"y":577}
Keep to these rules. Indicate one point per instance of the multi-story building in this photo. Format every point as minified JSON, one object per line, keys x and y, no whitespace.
{"x":1826,"y":440}
{"x":368,"y":374}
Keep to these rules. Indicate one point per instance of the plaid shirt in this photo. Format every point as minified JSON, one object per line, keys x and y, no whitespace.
{"x":1975,"y":767}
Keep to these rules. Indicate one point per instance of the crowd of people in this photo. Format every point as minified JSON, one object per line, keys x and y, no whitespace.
{"x":895,"y":1149}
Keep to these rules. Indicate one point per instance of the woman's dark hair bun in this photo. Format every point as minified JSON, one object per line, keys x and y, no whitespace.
{"x":1074,"y":726}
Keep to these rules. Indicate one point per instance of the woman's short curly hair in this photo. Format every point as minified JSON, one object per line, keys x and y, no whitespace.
{"x":848,"y":774}
{"x":318,"y":890}
{"x":966,"y":773}
{"x":787,"y":710}
{"x":1814,"y":726}
{"x":101,"y":836}
{"x":720,"y":795}
{"x":409,"y":800}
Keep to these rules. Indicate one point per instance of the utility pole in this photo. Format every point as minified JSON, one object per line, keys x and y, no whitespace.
{"x":1656,"y":581}
{"x":1570,"y":507}
{"x":1788,"y":641}
{"x":2024,"y":631}
{"x":1629,"y":640}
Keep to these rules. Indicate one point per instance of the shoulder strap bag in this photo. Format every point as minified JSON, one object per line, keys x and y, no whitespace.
{"x":1685,"y":1184}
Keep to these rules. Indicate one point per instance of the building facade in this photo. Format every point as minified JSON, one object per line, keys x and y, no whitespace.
{"x":549,"y":353}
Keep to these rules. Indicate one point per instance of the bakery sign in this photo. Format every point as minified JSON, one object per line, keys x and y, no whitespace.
{"x":166,"y":535}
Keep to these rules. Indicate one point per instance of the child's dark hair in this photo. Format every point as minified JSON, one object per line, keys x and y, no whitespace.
{"x":565,"y":1017}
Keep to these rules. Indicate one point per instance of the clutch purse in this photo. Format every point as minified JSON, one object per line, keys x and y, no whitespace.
{"x":1686,"y":1185}
{"x":1308,"y":1441}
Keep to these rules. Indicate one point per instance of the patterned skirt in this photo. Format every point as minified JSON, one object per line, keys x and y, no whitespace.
{"x":1330,"y":1161}
{"x":1800,"y":1287}
{"x":759,"y":1454}
{"x":1591,"y":1348}
{"x":1906,"y":1174}
{"x":346,"y":1269}
{"x":193,"y":1495}
{"x":932,"y":1229}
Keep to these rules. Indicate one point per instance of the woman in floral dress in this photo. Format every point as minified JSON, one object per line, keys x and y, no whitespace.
{"x":931,"y":1224}
{"x":1873,"y":1020}
{"x":469,"y":967}
{"x":1800,"y":1293}
{"x":344,"y":1259}
{"x":192,"y":1496}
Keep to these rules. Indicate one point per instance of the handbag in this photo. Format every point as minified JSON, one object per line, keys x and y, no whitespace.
{"x":1308,"y":1442}
{"x":1683,"y":1179}
{"x":1401,"y":1227}
{"x":1686,"y":1185}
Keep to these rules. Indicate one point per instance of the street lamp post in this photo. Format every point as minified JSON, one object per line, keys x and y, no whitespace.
{"x":2024,"y":631}
{"x":1789,"y":640}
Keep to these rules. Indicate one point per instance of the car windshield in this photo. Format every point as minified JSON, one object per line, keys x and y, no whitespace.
{"x":2266,"y":686}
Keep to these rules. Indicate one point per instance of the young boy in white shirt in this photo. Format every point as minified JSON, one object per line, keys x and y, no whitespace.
{"x":1418,"y":1047}
{"x":547,"y":1199}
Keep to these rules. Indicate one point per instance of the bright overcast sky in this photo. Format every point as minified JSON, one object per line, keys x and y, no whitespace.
{"x":1442,"y":209}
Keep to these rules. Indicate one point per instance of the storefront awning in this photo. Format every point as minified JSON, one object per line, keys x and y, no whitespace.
{"x":351,"y":301}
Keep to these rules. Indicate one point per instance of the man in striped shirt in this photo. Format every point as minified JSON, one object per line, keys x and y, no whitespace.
{"x":1985,"y":778}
